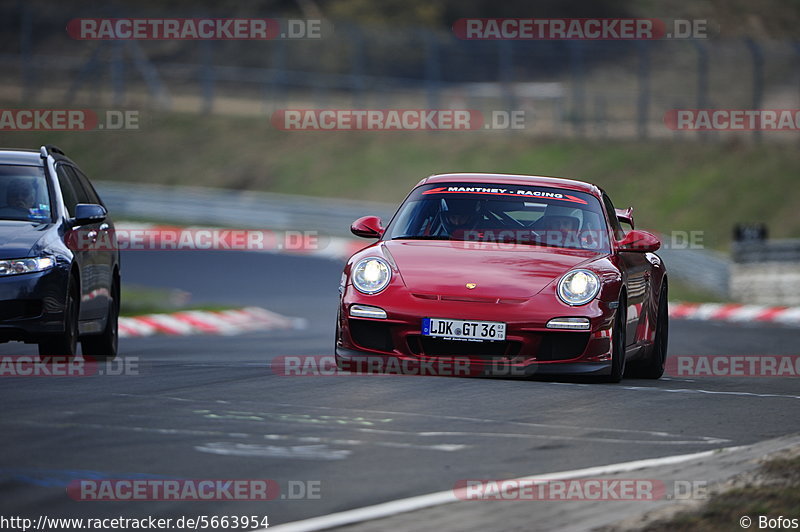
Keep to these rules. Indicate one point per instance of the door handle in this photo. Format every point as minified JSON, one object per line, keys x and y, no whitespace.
{"x":104,"y":227}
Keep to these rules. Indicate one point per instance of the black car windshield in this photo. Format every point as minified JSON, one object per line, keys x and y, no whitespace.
{"x":509,"y":214}
{"x":23,"y":194}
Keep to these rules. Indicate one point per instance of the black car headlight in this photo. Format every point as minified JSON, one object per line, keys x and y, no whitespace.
{"x":29,"y":265}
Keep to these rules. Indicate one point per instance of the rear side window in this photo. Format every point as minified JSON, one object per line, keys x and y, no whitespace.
{"x":66,"y":182}
{"x":91,"y":193}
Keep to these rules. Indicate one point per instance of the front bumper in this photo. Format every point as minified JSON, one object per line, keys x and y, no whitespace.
{"x":32,"y":305}
{"x":530,"y":347}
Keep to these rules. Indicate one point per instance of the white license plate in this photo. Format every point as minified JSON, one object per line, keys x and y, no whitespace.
{"x":464,"y":329}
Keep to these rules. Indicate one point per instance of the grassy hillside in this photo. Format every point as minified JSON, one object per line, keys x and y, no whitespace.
{"x":681,"y":186}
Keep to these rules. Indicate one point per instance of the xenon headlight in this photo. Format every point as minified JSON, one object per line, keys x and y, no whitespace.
{"x":18,"y":266}
{"x":371,"y":275}
{"x":578,"y":287}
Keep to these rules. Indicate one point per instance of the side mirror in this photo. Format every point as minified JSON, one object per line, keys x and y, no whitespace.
{"x":89,"y":213}
{"x":367,"y":227}
{"x":639,"y":241}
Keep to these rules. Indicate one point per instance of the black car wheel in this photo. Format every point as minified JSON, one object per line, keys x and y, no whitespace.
{"x":103,"y":346}
{"x":64,"y":344}
{"x":618,"y":344}
{"x":653,"y":366}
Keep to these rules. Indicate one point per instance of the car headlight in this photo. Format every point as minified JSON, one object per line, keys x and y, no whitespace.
{"x":371,"y":275}
{"x":578,"y":287}
{"x":17,"y":266}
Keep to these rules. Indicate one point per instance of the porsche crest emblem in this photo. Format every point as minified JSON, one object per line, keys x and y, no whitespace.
{"x":470,"y":286}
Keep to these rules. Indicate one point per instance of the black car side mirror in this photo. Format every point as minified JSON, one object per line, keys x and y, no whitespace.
{"x":88,"y":213}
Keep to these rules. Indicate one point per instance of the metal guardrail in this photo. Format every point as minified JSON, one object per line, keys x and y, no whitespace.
{"x":263,"y":210}
{"x":782,"y":250}
{"x":704,"y":268}
{"x":231,"y":208}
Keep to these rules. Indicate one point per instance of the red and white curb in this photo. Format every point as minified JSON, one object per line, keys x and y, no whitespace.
{"x":735,"y":312}
{"x":225,"y":322}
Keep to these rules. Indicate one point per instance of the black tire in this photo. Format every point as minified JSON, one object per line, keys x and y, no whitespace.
{"x":653,"y":366}
{"x":64,"y":344}
{"x":618,"y":344}
{"x":103,"y":346}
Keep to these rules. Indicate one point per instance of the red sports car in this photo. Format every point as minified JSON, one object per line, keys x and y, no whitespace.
{"x":531,"y":275}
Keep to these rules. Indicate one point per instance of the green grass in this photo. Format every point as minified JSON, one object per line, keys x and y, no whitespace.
{"x":779,"y":496}
{"x":681,"y":186}
{"x":688,"y":293}
{"x":137,"y":300}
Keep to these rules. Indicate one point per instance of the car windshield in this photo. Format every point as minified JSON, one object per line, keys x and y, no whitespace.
{"x":509,"y":214}
{"x":23,"y":194}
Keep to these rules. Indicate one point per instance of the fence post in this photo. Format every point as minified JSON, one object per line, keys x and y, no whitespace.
{"x":118,"y":72}
{"x":433,"y":70}
{"x":276,"y":81}
{"x":505,"y":73}
{"x":600,"y":116}
{"x":758,"y":78}
{"x":207,"y":76}
{"x":25,"y":52}
{"x":702,"y":80}
{"x":357,"y":65}
{"x":643,"y":101}
{"x":578,"y":96}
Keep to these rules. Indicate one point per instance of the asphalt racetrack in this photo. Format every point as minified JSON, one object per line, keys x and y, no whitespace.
{"x":210,"y":407}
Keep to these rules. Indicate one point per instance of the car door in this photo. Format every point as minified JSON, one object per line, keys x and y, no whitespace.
{"x":92,"y":307}
{"x":104,"y":255}
{"x":637,"y":274}
{"x":76,"y":244}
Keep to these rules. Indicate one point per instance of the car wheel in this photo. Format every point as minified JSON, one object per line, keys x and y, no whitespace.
{"x":64,"y":344}
{"x":618,"y":344}
{"x":103,"y":346}
{"x":653,"y":367}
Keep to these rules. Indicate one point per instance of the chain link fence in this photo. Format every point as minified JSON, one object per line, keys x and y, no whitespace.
{"x":615,"y":89}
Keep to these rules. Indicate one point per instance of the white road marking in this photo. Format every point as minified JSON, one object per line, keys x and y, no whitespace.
{"x":419,"y":502}
{"x":711,"y":392}
{"x":300,"y":452}
{"x":679,"y":438}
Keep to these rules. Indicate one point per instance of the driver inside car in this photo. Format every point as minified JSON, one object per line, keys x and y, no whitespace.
{"x":458,"y":216}
{"x":21,"y":195}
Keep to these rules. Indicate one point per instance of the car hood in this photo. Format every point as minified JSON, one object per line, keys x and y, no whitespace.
{"x":18,"y":238}
{"x":504,"y":271}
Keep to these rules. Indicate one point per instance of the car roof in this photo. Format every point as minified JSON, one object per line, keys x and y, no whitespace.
{"x":514,"y":179}
{"x":21,"y":157}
